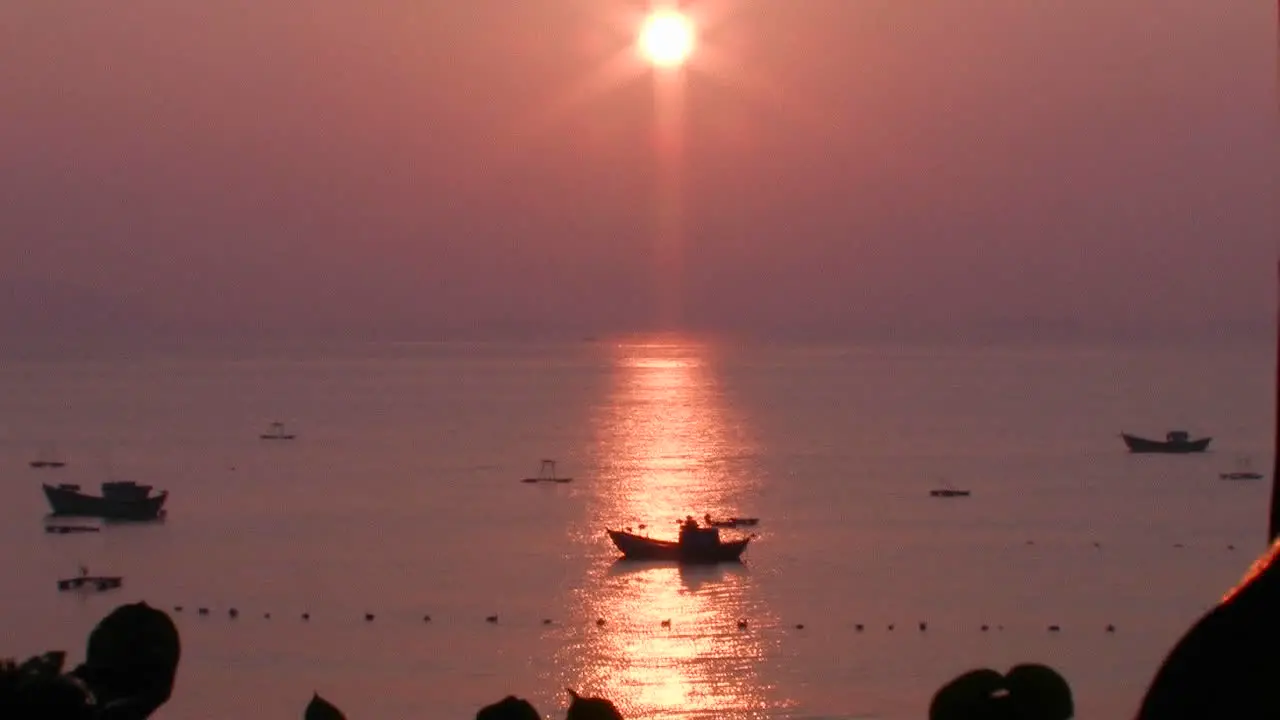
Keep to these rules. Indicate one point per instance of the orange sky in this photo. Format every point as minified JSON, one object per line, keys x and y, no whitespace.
{"x":850,"y":168}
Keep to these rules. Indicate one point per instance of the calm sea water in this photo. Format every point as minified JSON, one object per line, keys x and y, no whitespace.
{"x":400,"y":497}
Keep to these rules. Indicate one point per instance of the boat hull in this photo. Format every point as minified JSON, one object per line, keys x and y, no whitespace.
{"x":71,"y":503}
{"x":1143,"y":445}
{"x":638,"y":547}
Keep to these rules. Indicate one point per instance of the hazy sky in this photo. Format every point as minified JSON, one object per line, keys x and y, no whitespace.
{"x":420,"y":168}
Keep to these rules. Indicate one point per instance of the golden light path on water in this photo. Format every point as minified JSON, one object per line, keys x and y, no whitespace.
{"x":671,"y":443}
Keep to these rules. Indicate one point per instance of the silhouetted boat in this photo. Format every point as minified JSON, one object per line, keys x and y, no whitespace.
{"x":547,"y":473}
{"x":95,"y":582}
{"x":1243,"y":471}
{"x":948,"y":490}
{"x":696,"y":545}
{"x":276,"y":433}
{"x":48,"y":459}
{"x":732,"y":522}
{"x":1176,"y":441}
{"x":120,"y":500}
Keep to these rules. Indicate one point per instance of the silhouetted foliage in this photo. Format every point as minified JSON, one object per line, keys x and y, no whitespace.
{"x":590,"y":708}
{"x":1226,"y":665}
{"x":1026,"y":692}
{"x":127,"y":674}
{"x":509,"y":708}
{"x":321,"y":709}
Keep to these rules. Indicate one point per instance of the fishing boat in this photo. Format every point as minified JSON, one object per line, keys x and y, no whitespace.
{"x":276,"y":432}
{"x":85,"y":581}
{"x":547,"y":473}
{"x":1175,"y":441}
{"x":696,"y":545}
{"x":48,"y":458}
{"x":1243,"y":471}
{"x":120,"y":500}
{"x":731,"y":522}
{"x":947,"y":491}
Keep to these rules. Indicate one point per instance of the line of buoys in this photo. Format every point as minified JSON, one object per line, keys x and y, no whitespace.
{"x":741,"y":623}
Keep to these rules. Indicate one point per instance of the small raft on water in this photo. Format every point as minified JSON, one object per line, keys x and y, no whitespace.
{"x":547,"y":473}
{"x":100,"y":583}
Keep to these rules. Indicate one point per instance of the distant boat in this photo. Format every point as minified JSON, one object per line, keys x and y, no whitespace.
{"x":947,"y":491}
{"x":92,"y":582}
{"x":1243,"y":471}
{"x":48,"y":458}
{"x":276,"y":433}
{"x":120,"y":500}
{"x":547,"y":473}
{"x":1176,"y":441}
{"x":732,"y":522}
{"x":696,"y":545}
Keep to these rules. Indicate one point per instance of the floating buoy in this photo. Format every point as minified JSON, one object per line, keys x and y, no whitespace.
{"x":203,"y":611}
{"x":546,"y":621}
{"x":368,"y":617}
{"x":491,"y":619}
{"x":666,"y":623}
{"x":742,"y":624}
{"x":985,"y":628}
{"x":426,"y":618}
{"x":599,"y":622}
{"x":1111,"y":628}
{"x":1054,"y":628}
{"x":924,"y":626}
{"x":799,"y":626}
{"x":306,"y":616}
{"x":234,"y":613}
{"x":858,"y":627}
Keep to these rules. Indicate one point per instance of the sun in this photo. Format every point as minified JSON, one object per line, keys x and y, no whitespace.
{"x":666,"y":39}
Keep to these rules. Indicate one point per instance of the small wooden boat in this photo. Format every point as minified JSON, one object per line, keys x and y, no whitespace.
{"x":1175,"y":441}
{"x":85,"y":581}
{"x":948,"y":491}
{"x":731,"y":522}
{"x":276,"y":432}
{"x":547,"y":473}
{"x":1243,"y":471}
{"x":696,"y":545}
{"x":120,"y":500}
{"x":48,"y":458}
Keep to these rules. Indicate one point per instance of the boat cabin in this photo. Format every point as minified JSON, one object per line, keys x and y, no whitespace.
{"x":692,"y":535}
{"x":1177,"y":436}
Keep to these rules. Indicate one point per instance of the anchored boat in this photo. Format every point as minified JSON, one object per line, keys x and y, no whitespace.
{"x":696,"y":545}
{"x":120,"y":500}
{"x":1175,"y":441}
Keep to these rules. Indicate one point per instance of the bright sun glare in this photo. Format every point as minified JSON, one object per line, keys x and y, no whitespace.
{"x":666,"y":39}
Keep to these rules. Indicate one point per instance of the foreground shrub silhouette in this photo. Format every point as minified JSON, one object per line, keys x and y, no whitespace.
{"x":128,"y":672}
{"x":509,"y":708}
{"x":1227,"y":665}
{"x":590,"y":708}
{"x":321,"y":709}
{"x":1026,"y":692}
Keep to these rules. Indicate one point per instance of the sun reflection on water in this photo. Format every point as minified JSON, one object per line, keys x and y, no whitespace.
{"x":670,"y":642}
